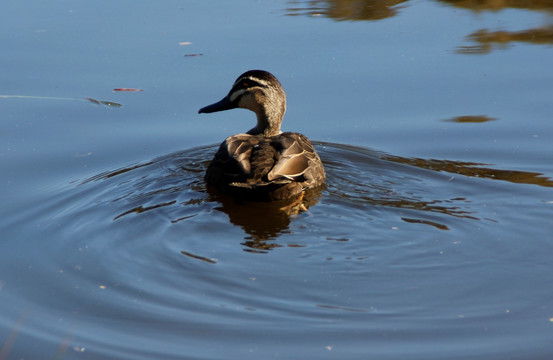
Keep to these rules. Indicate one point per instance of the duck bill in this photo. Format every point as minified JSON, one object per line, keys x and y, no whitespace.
{"x":224,"y":104}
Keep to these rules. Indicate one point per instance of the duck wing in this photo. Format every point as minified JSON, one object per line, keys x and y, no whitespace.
{"x":266,"y":164}
{"x":231,"y":162}
{"x":297,"y":160}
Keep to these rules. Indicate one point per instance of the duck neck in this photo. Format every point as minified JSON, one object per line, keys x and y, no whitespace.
{"x":269,"y":107}
{"x":268,"y":123}
{"x":265,"y":127}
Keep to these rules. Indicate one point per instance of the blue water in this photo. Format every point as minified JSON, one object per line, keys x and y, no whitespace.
{"x":431,"y":239}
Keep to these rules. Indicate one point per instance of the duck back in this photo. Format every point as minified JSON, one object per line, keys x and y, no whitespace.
{"x":265,"y":167}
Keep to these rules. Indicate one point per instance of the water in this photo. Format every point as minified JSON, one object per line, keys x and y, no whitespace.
{"x":430,"y":240}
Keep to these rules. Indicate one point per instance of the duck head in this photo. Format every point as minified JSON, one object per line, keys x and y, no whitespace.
{"x":260,"y":92}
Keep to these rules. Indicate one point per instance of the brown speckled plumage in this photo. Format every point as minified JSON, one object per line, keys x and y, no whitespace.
{"x":264,"y":164}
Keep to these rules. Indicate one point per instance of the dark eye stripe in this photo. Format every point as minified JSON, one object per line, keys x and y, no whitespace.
{"x":246,"y":83}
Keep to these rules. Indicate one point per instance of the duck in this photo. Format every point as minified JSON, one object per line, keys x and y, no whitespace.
{"x":264,"y":164}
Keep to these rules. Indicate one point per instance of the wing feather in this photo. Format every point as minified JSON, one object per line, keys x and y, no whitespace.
{"x":283,"y":164}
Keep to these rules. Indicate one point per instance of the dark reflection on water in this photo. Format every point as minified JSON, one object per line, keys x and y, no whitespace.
{"x":496,"y":5}
{"x":476,"y":170}
{"x":261,"y":220}
{"x":497,"y":40}
{"x":347,"y":9}
{"x":174,"y":185}
{"x":364,"y":177}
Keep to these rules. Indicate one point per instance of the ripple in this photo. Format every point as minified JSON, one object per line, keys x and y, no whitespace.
{"x":147,"y":248}
{"x":359,"y":181}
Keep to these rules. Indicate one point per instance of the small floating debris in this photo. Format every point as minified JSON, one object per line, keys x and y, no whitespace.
{"x":198,"y":257}
{"x":426,"y":222}
{"x":78,"y":155}
{"x":337,"y":239}
{"x":102,"y":102}
{"x":141,"y":209}
{"x":128,"y":89}
{"x":471,"y":119}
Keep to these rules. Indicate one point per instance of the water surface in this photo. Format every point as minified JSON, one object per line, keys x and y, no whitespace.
{"x":430,"y":240}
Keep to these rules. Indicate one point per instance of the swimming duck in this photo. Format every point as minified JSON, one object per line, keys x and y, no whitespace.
{"x":265,"y":163}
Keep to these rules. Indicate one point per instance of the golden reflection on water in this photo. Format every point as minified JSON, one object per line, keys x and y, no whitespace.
{"x":347,"y":9}
{"x":475,"y":170}
{"x":491,"y":40}
{"x":382,"y":9}
{"x":486,"y":40}
{"x":496,"y":5}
